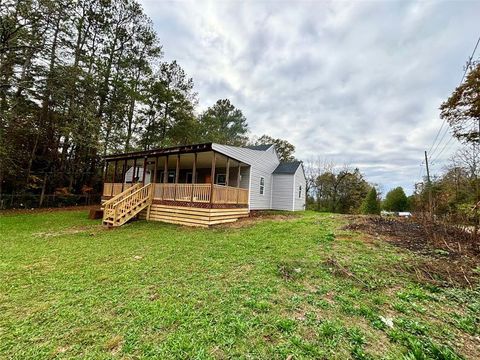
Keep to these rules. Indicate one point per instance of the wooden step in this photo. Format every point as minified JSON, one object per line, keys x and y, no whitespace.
{"x":193,"y":216}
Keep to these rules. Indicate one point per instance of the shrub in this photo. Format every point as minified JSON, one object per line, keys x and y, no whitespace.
{"x":371,"y":204}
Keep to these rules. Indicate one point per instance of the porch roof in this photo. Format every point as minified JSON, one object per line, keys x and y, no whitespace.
{"x":182,"y":149}
{"x":174,"y":150}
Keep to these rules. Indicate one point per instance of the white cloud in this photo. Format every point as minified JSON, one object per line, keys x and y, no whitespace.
{"x":358,"y":82}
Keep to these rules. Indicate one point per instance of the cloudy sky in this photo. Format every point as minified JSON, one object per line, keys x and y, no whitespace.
{"x":353,"y":82}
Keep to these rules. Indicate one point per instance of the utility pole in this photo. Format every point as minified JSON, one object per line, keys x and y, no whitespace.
{"x":477,"y":185}
{"x":429,"y":185}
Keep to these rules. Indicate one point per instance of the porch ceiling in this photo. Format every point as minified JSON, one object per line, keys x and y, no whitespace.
{"x":184,"y":149}
{"x":204,"y":156}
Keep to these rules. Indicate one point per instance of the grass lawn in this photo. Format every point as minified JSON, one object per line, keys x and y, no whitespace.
{"x":290,"y":289}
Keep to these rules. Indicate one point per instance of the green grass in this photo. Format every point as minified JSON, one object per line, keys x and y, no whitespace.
{"x":299,"y":287}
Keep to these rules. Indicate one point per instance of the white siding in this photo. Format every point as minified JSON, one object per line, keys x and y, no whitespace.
{"x":300,"y":181}
{"x":282,"y":192}
{"x":262,"y":164}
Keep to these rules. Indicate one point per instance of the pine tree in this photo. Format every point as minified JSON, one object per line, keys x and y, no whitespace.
{"x":224,"y":123}
{"x":371,"y":204}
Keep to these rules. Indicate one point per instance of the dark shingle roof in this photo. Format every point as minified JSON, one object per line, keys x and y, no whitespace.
{"x":287,"y":167}
{"x":259,"y":147}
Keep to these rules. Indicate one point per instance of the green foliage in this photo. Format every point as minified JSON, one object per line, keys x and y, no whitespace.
{"x":284,"y":149}
{"x":82,"y":79}
{"x":223,"y":123}
{"x":371,"y":204}
{"x":462,"y":109}
{"x":396,"y":200}
{"x":341,"y":192}
{"x":456,"y":192}
{"x":169,"y":116}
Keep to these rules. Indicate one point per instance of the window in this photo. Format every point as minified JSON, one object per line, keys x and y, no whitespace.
{"x":221,"y":179}
{"x":170,"y":177}
{"x":262,"y":185}
{"x":300,"y":191}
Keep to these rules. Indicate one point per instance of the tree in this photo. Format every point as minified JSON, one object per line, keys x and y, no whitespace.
{"x":340,"y":191}
{"x":169,"y":118}
{"x":371,"y":204}
{"x":223,"y":123}
{"x":284,"y":149}
{"x":396,"y":200}
{"x":462,"y":109}
{"x":78,"y":81}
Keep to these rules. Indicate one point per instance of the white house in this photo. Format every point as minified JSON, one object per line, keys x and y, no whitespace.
{"x":185,"y":180}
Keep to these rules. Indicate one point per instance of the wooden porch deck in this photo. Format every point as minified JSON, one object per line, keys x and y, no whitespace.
{"x":188,"y":193}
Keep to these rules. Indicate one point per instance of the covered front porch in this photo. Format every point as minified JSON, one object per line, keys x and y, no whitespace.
{"x":186,"y":176}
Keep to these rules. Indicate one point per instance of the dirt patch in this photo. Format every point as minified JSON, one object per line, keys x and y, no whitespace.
{"x":339,"y":270}
{"x":44,"y":210}
{"x":257,"y":216}
{"x":93,"y":230}
{"x":114,"y":345}
{"x":452,"y":255}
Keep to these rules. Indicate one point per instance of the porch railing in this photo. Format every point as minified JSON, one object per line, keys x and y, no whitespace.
{"x":112,"y":189}
{"x":197,"y":193}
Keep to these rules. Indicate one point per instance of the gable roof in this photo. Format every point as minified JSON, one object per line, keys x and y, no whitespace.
{"x":245,"y":154}
{"x":287,"y":167}
{"x":263,"y":147}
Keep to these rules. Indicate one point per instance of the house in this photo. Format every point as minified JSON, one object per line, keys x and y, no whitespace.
{"x":200,"y":184}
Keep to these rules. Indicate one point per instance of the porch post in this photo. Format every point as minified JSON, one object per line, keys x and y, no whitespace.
{"x":238,"y":176}
{"x":165,"y":170}
{"x":105,"y":176}
{"x":124,"y":172}
{"x":194,"y":171}
{"x":106,"y":171}
{"x":227,"y":172}
{"x":155,"y":165}
{"x":113,"y":176}
{"x":115,"y":170}
{"x":238,"y":182}
{"x":177,"y":171}
{"x":212,"y":175}
{"x":134,"y":169}
{"x":165,"y":176}
{"x":144,"y":170}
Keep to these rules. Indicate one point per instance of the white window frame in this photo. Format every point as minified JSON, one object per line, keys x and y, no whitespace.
{"x":300,"y":191}
{"x":262,"y":186}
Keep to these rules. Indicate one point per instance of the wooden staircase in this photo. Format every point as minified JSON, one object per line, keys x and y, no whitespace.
{"x":124,"y":206}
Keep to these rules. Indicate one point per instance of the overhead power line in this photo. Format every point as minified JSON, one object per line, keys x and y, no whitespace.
{"x":444,"y":129}
{"x":432,"y":150}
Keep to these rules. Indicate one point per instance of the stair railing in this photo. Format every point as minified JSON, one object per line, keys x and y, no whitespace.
{"x":122,"y":207}
{"x":108,"y":206}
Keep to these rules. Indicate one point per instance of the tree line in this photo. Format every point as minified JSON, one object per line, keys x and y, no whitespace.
{"x":82,"y":79}
{"x":344,"y":189}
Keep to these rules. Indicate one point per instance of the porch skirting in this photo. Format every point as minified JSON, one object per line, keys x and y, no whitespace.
{"x":193,"y":216}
